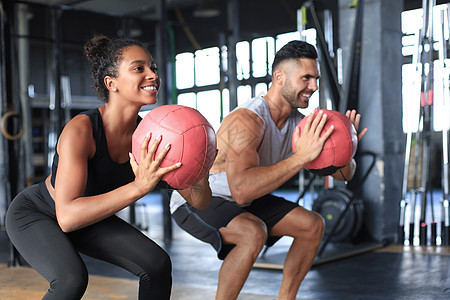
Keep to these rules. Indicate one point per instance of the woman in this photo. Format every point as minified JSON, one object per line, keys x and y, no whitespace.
{"x":94,"y":176}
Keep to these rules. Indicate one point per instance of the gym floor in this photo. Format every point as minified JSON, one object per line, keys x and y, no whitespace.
{"x":359,"y":271}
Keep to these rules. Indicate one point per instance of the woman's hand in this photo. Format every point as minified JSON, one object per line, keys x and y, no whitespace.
{"x":148,"y":172}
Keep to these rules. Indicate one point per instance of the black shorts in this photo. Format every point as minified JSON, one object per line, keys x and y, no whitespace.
{"x":205,"y":224}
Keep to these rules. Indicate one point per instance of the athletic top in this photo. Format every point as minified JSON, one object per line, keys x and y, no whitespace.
{"x":276,"y":145}
{"x":104,"y":174}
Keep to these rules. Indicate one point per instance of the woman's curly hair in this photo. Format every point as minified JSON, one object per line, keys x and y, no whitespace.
{"x":105,"y":56}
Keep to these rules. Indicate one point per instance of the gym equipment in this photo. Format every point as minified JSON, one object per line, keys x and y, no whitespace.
{"x":339,"y":148}
{"x":445,"y":222}
{"x":352,"y":81}
{"x":403,"y":203}
{"x":192,"y":139}
{"x":426,"y":102}
{"x":342,"y":209}
{"x":338,"y":204}
{"x":424,"y":61}
{"x":330,"y":73}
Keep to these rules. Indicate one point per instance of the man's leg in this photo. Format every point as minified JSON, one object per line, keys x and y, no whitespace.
{"x":306,"y":227}
{"x":249,"y":234}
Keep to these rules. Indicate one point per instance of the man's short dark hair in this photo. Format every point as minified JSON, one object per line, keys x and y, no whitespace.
{"x":293,"y":50}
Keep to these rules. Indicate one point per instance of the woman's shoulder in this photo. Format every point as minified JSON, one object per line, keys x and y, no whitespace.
{"x":79,"y":122}
{"x":83,"y":122}
{"x":79,"y":129}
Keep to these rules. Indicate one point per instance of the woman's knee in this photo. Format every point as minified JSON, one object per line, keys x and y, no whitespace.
{"x":68,"y":285}
{"x":157,"y":267}
{"x":164,"y":266}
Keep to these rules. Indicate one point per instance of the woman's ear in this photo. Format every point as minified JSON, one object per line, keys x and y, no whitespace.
{"x":110,"y":84}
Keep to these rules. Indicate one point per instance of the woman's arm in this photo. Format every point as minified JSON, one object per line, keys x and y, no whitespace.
{"x":75,"y":146}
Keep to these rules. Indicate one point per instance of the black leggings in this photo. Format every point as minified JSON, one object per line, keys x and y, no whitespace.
{"x":32,"y":227}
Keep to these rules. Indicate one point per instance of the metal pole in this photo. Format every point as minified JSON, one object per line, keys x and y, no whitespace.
{"x":233,"y":27}
{"x":401,"y":226}
{"x":8,"y":103}
{"x":445,"y":221}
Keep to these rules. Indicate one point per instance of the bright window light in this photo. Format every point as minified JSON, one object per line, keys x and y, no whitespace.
{"x":411,"y":73}
{"x":184,"y":64}
{"x":260,"y":89}
{"x":243,"y":60}
{"x":207,"y":66}
{"x":262,"y":55}
{"x":244,"y":93}
{"x":187,"y":99}
{"x":284,"y":38}
{"x":225,"y":102}
{"x":208,"y":104}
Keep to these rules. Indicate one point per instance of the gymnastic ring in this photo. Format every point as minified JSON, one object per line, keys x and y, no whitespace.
{"x":5,"y":133}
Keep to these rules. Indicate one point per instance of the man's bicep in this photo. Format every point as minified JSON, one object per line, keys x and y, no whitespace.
{"x":244,"y":139}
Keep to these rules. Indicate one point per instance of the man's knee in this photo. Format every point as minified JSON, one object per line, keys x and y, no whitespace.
{"x":247,"y":229}
{"x":256,"y":233}
{"x":316,"y":227}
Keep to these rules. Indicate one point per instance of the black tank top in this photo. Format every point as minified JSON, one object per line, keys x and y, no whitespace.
{"x":104,"y":174}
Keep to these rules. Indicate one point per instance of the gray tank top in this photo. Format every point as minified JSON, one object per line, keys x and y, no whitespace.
{"x":276,"y":145}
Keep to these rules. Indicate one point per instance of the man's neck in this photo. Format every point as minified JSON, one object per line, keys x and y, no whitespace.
{"x":279,"y":109}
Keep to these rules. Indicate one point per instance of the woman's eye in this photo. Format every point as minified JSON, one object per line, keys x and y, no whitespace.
{"x":139,"y":68}
{"x":154,"y":69}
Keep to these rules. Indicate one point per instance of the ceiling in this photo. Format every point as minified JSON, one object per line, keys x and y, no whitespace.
{"x":256,"y":17}
{"x":150,"y":8}
{"x":146,"y":9}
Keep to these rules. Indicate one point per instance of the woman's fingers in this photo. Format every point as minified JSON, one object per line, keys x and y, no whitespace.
{"x":144,"y":147}
{"x":133,"y":162}
{"x":171,"y":168}
{"x":150,"y":160}
{"x":161,"y":155}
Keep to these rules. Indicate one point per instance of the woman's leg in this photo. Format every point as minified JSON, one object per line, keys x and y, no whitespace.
{"x":39,"y":239}
{"x":118,"y":242}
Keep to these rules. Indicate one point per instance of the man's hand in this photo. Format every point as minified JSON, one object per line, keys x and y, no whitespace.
{"x":199,"y":194}
{"x":348,"y":171}
{"x":355,"y":119}
{"x":309,"y":144}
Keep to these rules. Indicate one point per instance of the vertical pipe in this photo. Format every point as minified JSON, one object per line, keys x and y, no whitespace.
{"x":23,"y":50}
{"x":5,"y":94}
{"x":55,"y":85}
{"x":10,"y":147}
{"x":233,"y":27}
{"x":445,"y":221}
{"x":401,"y":230}
{"x":162,"y":44}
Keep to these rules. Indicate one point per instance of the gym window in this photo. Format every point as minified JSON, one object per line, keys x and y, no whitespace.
{"x":199,"y":74}
{"x":411,"y":72}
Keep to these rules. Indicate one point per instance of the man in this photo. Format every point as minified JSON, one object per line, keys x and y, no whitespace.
{"x":255,"y":158}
